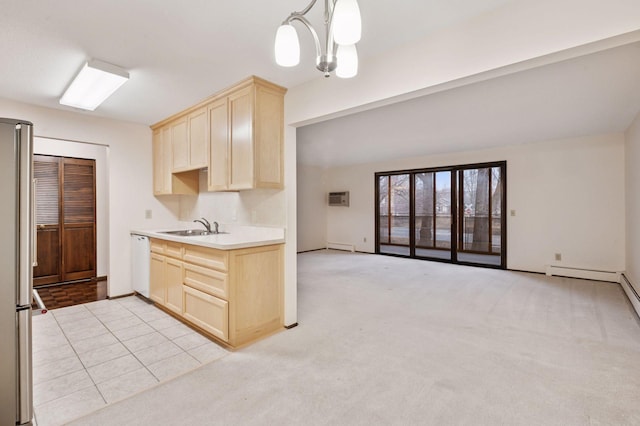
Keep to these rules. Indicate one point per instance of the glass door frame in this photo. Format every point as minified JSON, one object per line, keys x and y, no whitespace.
{"x":456,"y":221}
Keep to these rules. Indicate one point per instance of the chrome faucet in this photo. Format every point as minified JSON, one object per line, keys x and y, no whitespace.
{"x":206,"y":224}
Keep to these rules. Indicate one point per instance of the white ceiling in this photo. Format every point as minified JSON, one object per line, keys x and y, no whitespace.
{"x":589,"y":95}
{"x":179,"y":52}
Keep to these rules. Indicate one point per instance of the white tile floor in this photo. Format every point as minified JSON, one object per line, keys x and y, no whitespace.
{"x":88,"y":356}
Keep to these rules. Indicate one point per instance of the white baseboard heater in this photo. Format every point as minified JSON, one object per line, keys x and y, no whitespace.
{"x":631,"y":292}
{"x":341,"y":246}
{"x":589,"y":274}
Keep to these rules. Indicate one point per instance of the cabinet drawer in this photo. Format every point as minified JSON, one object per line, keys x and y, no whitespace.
{"x":207,"y":312}
{"x":207,"y":257}
{"x":157,"y":246}
{"x":209,"y":281}
{"x":173,"y":249}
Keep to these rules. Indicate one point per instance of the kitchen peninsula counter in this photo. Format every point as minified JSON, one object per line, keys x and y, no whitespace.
{"x":227,"y":285}
{"x":235,"y":237}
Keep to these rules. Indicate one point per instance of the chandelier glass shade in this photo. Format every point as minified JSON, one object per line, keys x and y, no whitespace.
{"x":337,"y":52}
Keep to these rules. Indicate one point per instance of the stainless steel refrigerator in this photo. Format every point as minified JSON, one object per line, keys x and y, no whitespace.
{"x":17,"y":254}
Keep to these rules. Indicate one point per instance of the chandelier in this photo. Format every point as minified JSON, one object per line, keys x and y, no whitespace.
{"x":342,"y":31}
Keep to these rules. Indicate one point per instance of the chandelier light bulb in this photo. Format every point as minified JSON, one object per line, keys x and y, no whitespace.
{"x":347,"y":56}
{"x":287,"y":46}
{"x":346,"y":23}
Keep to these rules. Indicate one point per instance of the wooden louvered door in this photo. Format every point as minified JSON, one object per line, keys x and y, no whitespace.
{"x":75,"y":231}
{"x":47,"y":172}
{"x":78,"y":219}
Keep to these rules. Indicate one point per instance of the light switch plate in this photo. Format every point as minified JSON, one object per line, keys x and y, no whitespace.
{"x":148,"y":214}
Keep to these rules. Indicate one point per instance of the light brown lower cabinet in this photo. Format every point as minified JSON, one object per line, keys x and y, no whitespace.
{"x":166,"y":275}
{"x":174,"y":274}
{"x":235,"y":296}
{"x":207,"y":312}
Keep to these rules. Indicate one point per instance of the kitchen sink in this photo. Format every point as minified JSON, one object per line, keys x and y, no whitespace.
{"x":191,"y":232}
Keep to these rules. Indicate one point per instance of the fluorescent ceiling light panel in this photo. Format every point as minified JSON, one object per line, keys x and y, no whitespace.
{"x":95,"y":82}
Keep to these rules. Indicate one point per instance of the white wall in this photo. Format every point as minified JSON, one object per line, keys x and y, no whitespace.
{"x":632,"y":174}
{"x":98,"y":153}
{"x":130,"y":176}
{"x":259,"y":207}
{"x":312,"y":208}
{"x":568,"y":196}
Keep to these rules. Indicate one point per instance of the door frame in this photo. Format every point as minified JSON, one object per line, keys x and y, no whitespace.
{"x":64,"y":276}
{"x":455,"y":219}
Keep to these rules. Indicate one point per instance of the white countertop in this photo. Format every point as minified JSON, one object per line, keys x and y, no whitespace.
{"x":237,"y":236}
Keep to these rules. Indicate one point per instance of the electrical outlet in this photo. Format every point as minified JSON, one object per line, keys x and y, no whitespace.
{"x":558,"y":257}
{"x":364,"y":239}
{"x":148,"y":214}
{"x":513,"y":212}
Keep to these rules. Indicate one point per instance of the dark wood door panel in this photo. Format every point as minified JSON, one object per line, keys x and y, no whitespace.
{"x":79,"y":202}
{"x":48,"y":268}
{"x":79,"y":252}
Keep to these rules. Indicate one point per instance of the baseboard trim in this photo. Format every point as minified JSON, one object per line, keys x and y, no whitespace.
{"x":631,"y":292}
{"x":289,"y":327}
{"x":341,"y":246}
{"x":120,"y":296}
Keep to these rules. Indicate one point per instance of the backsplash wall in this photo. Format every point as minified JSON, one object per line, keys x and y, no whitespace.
{"x":260,"y":207}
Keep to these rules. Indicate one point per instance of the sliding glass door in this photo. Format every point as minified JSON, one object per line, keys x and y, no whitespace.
{"x":480,"y":232}
{"x":393,"y":214}
{"x":433,"y":214}
{"x":450,"y":214}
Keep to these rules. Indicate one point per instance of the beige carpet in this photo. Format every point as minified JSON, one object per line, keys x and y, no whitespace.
{"x":388,"y":341}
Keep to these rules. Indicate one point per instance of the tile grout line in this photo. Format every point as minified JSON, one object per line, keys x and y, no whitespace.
{"x":61,"y":327}
{"x":125,"y":346}
{"x":171,"y":340}
{"x":79,"y":359}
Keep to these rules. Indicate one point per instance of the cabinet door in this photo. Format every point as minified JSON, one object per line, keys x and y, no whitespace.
{"x":167,"y":162}
{"x":219,"y":145}
{"x":268,"y":138}
{"x":173,"y":280}
{"x":180,"y":144}
{"x":198,"y":139}
{"x":241,"y":139}
{"x":157,"y":279}
{"x":158,"y":175}
{"x":207,"y":312}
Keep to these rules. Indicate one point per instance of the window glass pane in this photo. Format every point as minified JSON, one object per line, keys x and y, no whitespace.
{"x":423,"y":184}
{"x":399,"y":209}
{"x":383,"y":208}
{"x":443,"y":210}
{"x":496,"y":209}
{"x":475,"y":229}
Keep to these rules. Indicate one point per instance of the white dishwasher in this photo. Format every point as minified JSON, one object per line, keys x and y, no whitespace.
{"x":140,"y":264}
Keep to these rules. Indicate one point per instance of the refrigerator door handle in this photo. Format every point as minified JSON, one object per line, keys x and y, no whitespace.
{"x":25,"y":152}
{"x":25,"y":379}
{"x":34,"y":235}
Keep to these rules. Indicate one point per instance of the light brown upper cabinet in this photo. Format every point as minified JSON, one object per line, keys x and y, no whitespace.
{"x":237,"y":134}
{"x":164,"y":181}
{"x":190,"y":144}
{"x":246,"y":128}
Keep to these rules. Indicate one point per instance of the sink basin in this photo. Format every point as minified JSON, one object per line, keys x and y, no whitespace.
{"x":191,"y":233}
